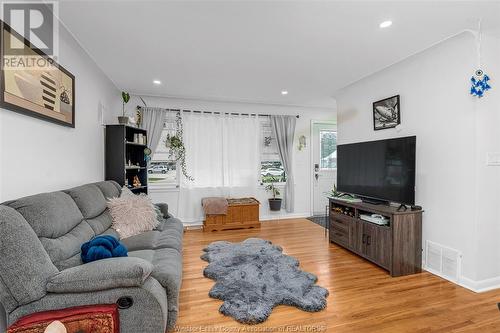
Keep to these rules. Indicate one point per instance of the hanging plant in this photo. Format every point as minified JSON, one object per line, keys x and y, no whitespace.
{"x":177,"y":151}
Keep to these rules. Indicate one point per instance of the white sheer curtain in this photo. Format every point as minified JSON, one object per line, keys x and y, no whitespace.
{"x":222,"y":155}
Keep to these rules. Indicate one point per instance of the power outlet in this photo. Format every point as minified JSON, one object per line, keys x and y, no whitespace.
{"x":493,"y":159}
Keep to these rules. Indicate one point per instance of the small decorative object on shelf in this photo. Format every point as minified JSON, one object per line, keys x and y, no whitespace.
{"x":125,"y":98}
{"x":344,"y":210}
{"x":138,"y":117}
{"x":136,"y":182}
{"x":274,"y":202}
{"x":147,"y":154}
{"x":334,"y":193}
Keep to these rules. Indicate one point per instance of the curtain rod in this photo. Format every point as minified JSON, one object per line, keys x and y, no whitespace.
{"x":217,"y":112}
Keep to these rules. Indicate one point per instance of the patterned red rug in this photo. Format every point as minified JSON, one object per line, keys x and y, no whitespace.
{"x":83,"y":319}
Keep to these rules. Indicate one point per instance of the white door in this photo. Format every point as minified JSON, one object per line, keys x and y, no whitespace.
{"x":324,"y":159}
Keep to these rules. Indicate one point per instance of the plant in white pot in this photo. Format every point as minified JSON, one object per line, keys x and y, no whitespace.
{"x":274,"y":202}
{"x":123,"y":120}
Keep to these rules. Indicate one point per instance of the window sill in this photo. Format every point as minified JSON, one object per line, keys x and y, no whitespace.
{"x":163,"y":188}
{"x":278,"y":185}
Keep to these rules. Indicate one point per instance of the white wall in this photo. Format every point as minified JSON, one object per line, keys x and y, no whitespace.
{"x":302,"y":160}
{"x":38,"y":156}
{"x":488,"y":177}
{"x":454,"y":131}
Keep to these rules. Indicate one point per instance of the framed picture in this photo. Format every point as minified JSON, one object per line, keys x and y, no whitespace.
{"x":32,"y":83}
{"x":386,"y":113}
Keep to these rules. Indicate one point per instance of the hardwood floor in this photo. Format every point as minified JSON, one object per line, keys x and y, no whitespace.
{"x":363,"y":297}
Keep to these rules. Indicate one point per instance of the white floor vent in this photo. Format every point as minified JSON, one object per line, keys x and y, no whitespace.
{"x":443,"y":261}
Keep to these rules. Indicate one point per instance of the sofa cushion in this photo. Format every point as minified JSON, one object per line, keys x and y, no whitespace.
{"x":62,"y":248}
{"x":112,"y":232}
{"x":25,"y":267}
{"x":101,"y":223}
{"x":110,"y":189}
{"x":132,"y":215}
{"x":89,"y":199}
{"x":50,"y":215}
{"x":167,"y":269}
{"x":75,"y":260}
{"x":152,"y":240}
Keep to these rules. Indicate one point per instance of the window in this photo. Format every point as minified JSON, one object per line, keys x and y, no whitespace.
{"x":163,"y":169}
{"x":328,"y":150}
{"x":271,"y":168}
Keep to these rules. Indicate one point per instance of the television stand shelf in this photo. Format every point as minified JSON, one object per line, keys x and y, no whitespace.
{"x":396,"y":247}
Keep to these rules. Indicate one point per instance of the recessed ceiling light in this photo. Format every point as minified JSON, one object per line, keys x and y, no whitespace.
{"x":156,"y":81}
{"x":385,"y":24}
{"x":284,"y":92}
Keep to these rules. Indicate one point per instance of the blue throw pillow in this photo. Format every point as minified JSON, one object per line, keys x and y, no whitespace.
{"x":102,"y":247}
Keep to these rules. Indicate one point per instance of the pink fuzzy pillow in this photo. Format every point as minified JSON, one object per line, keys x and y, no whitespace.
{"x":132,"y":215}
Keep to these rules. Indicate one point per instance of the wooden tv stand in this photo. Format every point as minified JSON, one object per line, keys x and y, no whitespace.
{"x":396,"y":247}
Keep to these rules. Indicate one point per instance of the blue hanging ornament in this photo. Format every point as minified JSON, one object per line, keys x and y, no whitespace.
{"x":479,"y":83}
{"x":147,"y":155}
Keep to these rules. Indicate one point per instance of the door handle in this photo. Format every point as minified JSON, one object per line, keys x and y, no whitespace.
{"x":316,"y":176}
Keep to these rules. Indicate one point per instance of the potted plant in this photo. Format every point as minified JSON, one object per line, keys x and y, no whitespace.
{"x":274,"y":202}
{"x":123,"y":120}
{"x":334,"y":193}
{"x":177,"y":150}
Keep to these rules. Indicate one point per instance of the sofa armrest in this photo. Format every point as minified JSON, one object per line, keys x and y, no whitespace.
{"x":101,"y":275}
{"x":148,"y":313}
{"x":163,"y":207}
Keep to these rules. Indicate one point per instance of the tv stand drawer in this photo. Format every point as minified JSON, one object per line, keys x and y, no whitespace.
{"x":340,"y":221}
{"x":339,"y":235}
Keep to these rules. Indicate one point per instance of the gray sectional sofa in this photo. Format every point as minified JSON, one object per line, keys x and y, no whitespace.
{"x":41,"y":269}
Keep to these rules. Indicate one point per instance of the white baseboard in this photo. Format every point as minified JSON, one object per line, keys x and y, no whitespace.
{"x":191,"y":223}
{"x":479,"y":286}
{"x":270,"y":217}
{"x":284,"y":215}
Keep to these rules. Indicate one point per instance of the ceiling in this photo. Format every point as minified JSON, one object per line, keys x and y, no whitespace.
{"x":249,"y":51}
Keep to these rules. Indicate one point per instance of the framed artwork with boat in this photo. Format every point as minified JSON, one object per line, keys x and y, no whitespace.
{"x":33,"y":83}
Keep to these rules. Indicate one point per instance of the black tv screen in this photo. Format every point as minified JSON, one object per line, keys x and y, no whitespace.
{"x":383,"y":170}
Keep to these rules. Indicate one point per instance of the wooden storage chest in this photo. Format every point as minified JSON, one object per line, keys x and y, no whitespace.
{"x":241,"y":213}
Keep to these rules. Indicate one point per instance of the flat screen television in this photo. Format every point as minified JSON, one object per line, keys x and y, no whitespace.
{"x":383,"y":170}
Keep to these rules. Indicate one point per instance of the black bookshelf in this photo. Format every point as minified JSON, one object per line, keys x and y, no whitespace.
{"x":120,"y":150}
